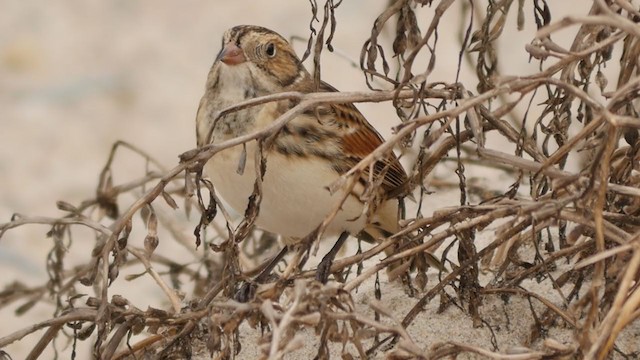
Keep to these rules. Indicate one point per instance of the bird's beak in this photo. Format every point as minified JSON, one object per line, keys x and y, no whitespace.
{"x":231,"y":54}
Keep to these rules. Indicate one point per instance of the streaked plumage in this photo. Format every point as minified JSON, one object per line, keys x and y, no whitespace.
{"x":308,"y":154}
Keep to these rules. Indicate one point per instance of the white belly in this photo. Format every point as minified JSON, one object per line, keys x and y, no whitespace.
{"x":295,"y":198}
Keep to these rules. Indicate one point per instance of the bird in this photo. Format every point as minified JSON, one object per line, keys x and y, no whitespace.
{"x":306,"y":156}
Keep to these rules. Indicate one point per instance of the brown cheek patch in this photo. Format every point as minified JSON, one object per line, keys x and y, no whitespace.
{"x":286,"y":66}
{"x":289,"y":74}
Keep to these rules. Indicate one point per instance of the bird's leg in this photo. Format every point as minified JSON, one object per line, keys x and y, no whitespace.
{"x":247,"y":290}
{"x":324,"y":268}
{"x":304,"y":252}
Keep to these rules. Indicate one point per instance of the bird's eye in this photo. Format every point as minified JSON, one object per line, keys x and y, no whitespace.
{"x":271,"y":50}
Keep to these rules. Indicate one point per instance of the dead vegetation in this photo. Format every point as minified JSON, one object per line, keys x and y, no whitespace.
{"x":573,"y":230}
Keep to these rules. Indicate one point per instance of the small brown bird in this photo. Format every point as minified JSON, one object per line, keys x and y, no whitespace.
{"x":307,"y":155}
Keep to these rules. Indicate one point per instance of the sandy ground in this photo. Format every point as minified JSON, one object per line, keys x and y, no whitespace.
{"x":77,"y":76}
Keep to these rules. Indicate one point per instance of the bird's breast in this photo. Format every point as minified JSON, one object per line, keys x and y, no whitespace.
{"x":295,"y":191}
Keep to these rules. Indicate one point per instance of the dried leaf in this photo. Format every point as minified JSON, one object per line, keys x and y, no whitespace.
{"x":601,"y":80}
{"x":170,"y":201}
{"x":85,"y":333}
{"x":24,"y":308}
{"x":150,"y":243}
{"x":65,"y":206}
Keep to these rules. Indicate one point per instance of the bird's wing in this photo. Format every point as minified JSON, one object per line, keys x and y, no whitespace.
{"x":360,"y":139}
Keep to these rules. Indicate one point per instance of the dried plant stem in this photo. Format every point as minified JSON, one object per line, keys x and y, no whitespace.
{"x":141,"y":255}
{"x":569,"y":318}
{"x":78,"y":314}
{"x":20,"y":220}
{"x":620,"y":314}
{"x":48,"y":336}
{"x":494,"y":355}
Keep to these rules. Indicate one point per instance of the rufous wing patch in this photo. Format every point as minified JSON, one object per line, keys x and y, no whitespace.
{"x":361,"y":139}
